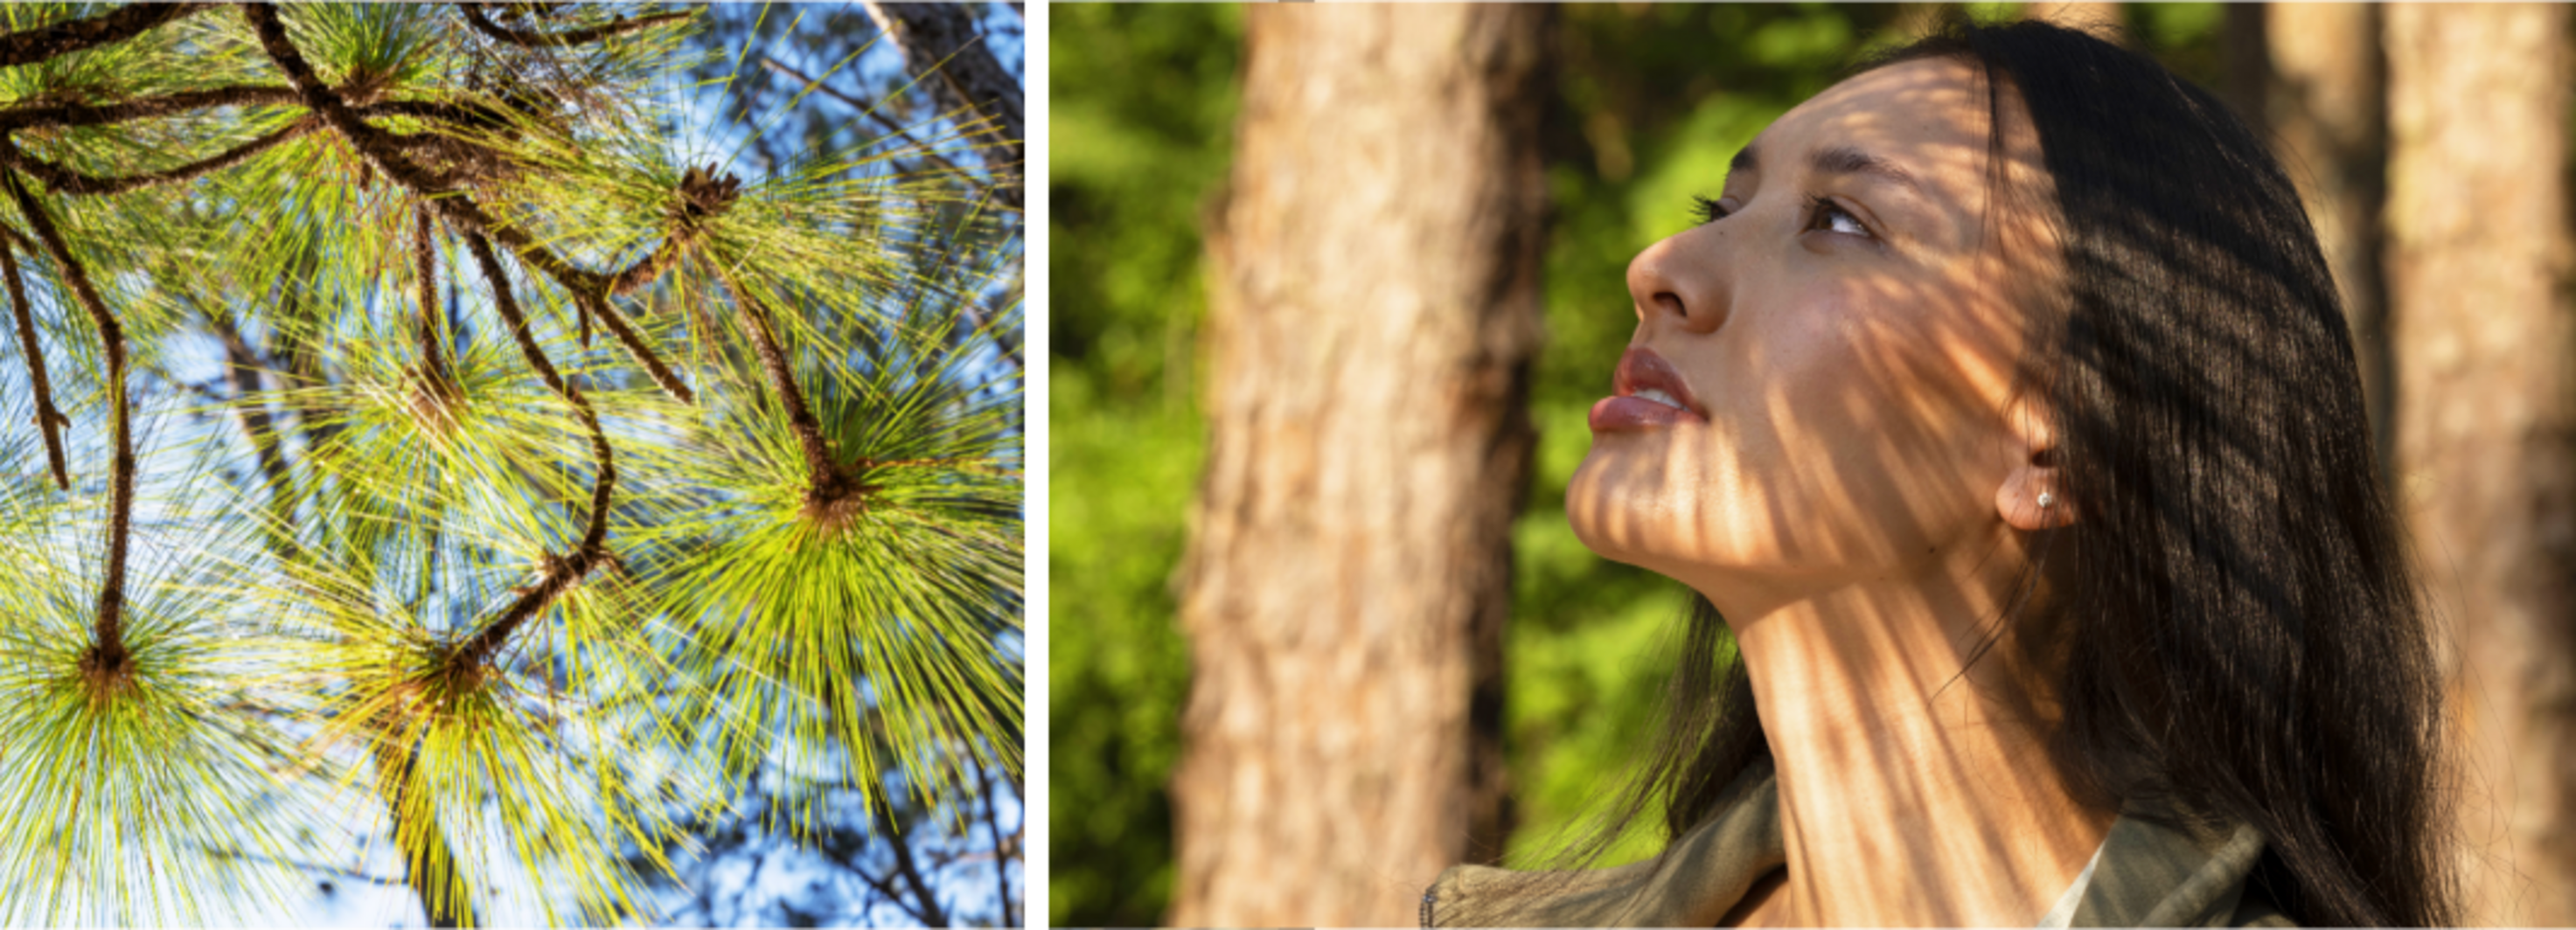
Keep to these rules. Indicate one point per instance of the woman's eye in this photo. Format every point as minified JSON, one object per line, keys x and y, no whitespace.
{"x":1824,"y":214}
{"x":1708,"y":211}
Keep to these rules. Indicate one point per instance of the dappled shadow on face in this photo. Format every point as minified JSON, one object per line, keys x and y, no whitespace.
{"x":2159,"y":348}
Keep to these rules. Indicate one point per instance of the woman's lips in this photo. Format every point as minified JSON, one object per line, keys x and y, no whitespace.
{"x":1647,"y":393}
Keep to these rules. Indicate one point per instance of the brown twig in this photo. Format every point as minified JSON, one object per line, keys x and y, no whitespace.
{"x":170,"y":104}
{"x":48,"y":419}
{"x":484,"y":24}
{"x":242,"y":369}
{"x":43,"y":42}
{"x":425,"y":271}
{"x":58,"y":115}
{"x":61,"y":180}
{"x":384,"y":153}
{"x":560,"y":572}
{"x":826,"y":483}
{"x":884,"y":811}
{"x":993,"y":829}
{"x":109,"y":655}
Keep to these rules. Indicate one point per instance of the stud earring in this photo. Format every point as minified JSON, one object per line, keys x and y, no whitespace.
{"x":2046,"y":499}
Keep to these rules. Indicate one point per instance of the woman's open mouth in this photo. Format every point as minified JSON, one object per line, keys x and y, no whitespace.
{"x":1646,"y":393}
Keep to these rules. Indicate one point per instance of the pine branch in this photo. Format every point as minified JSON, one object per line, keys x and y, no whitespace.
{"x":825,"y":483}
{"x":382,"y":151}
{"x":63,"y":180}
{"x":529,"y":39}
{"x":993,"y":829}
{"x":170,"y":104}
{"x":242,"y":369}
{"x":109,"y":655}
{"x":43,"y":42}
{"x":883,"y":809}
{"x":48,"y":419}
{"x":425,"y":326}
{"x":560,"y":572}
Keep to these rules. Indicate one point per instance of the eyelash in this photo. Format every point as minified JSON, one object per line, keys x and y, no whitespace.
{"x":1818,"y":208}
{"x":1708,"y":211}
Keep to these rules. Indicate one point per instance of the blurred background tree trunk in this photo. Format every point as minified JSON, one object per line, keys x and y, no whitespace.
{"x":2486,"y":414}
{"x":2103,"y":18}
{"x":1375,"y":269}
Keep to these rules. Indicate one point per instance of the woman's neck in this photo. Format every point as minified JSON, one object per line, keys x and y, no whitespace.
{"x":1911,"y":792}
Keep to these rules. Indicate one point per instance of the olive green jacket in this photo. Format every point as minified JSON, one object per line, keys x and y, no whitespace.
{"x":2149,"y":875}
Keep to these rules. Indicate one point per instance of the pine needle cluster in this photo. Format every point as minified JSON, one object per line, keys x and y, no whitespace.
{"x":576,"y":471}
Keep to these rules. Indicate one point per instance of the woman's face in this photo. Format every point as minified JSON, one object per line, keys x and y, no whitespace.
{"x":1820,"y":388}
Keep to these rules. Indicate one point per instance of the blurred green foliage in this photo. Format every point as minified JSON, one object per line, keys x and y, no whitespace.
{"x":1651,"y":102}
{"x":1141,"y":115}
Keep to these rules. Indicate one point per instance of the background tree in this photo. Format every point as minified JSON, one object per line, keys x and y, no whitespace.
{"x":687,"y":481}
{"x":2478,"y":261}
{"x":1376,"y":307}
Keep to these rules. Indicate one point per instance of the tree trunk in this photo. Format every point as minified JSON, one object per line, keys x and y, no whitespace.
{"x":2486,"y":417}
{"x":2327,"y":108}
{"x":1375,"y":312}
{"x":945,"y":37}
{"x":2104,"y":19}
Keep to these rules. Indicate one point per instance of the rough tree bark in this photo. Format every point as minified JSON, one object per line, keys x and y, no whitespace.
{"x":2486,"y":417}
{"x":945,"y":36}
{"x":2098,"y":17}
{"x":1375,"y":312}
{"x":2327,"y":106}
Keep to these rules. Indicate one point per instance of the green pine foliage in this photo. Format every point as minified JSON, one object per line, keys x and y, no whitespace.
{"x":562,"y":472}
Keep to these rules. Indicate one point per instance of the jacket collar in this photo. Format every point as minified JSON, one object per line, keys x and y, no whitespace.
{"x":2154,"y":871}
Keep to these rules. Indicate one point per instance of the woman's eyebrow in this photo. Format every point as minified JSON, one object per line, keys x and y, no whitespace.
{"x":1843,"y":159}
{"x":1839,"y":159}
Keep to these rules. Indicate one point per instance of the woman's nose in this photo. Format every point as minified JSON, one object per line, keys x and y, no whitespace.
{"x":1675,"y":284}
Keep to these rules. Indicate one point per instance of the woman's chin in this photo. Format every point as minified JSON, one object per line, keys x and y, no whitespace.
{"x":1612,"y":508}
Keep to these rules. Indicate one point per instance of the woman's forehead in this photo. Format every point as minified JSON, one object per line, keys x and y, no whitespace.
{"x":1929,"y":120}
{"x":1928,"y":117}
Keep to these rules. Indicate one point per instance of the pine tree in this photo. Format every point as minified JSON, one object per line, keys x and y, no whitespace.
{"x":558,"y":476}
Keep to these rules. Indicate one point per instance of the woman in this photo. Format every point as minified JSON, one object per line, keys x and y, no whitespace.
{"x":2003,"y":409}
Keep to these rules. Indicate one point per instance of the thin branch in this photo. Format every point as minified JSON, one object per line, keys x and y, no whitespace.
{"x":170,"y":104}
{"x":560,"y":572}
{"x":43,"y":42}
{"x":110,"y":654}
{"x":63,"y":180}
{"x":529,"y":39}
{"x":48,"y":420}
{"x":883,"y":809}
{"x":993,"y":829}
{"x":425,"y":270}
{"x":313,"y":867}
{"x":824,"y":479}
{"x":869,"y":110}
{"x":382,"y":151}
{"x":242,"y":370}
{"x":885,"y":886}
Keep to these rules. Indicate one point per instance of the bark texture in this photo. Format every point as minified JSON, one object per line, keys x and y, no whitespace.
{"x":2327,"y":107}
{"x":2486,"y":414}
{"x":2104,"y":19}
{"x":944,"y":37}
{"x":1375,"y":312}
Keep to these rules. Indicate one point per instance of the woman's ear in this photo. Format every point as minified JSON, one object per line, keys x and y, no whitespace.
{"x":2032,"y":496}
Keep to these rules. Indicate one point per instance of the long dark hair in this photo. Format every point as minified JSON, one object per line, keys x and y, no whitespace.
{"x":2243,"y":637}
